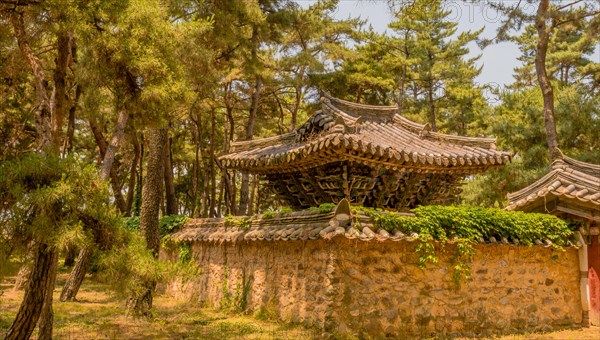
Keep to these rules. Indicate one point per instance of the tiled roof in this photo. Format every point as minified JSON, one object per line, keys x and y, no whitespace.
{"x":568,"y":180}
{"x":306,"y":225}
{"x":343,"y":130}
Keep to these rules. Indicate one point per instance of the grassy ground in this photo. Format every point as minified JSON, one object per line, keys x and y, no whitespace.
{"x":99,"y":315}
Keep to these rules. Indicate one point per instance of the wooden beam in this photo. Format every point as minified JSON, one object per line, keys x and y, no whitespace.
{"x":580,"y":213}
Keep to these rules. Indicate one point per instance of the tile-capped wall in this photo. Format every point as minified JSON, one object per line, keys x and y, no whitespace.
{"x":375,"y":289}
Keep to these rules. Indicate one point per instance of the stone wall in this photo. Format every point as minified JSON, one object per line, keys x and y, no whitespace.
{"x":375,"y":289}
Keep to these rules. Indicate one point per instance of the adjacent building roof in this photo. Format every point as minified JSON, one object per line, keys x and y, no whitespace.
{"x":365,"y":134}
{"x":571,"y":188}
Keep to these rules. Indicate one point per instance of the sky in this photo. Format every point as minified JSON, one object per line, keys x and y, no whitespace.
{"x":497,"y":61}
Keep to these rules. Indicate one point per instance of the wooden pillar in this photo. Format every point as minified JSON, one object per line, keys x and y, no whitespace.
{"x":583,"y":280}
{"x":346,"y":185}
{"x":593,"y":274}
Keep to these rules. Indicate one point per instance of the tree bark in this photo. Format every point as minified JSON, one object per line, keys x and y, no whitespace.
{"x":213,"y":175}
{"x":25,"y":270}
{"x":152,"y":191}
{"x":132,"y":173}
{"x":103,"y":149}
{"x":253,"y":188}
{"x":203,"y":211}
{"x":230,"y":206}
{"x":47,"y":315}
{"x":298,"y":98}
{"x":35,"y":294}
{"x":60,"y":100}
{"x":543,"y":31}
{"x":71,"y":287}
{"x":430,"y":95}
{"x":170,"y":197}
{"x":195,"y":174}
{"x":68,"y":144}
{"x":111,"y":150}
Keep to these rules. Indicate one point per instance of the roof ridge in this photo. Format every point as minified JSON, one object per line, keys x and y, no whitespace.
{"x":358,"y":105}
{"x":245,"y":145}
{"x":559,"y":181}
{"x":562,"y":161}
{"x":422,"y":131}
{"x":398,"y":119}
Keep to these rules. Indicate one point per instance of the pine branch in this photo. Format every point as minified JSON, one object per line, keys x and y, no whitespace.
{"x":558,"y":23}
{"x":568,"y":5}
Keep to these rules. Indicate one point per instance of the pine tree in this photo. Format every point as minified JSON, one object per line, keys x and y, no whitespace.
{"x":549,"y":19}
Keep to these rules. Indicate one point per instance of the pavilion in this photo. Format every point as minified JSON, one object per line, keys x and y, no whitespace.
{"x":370,"y":155}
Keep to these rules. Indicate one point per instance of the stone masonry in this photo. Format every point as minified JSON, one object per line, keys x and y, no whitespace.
{"x":375,"y":289}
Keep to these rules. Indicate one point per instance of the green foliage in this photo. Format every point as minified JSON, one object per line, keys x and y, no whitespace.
{"x":167,"y":224}
{"x":467,"y":226}
{"x":268,"y":214}
{"x":324,"y":208}
{"x":285,"y":210}
{"x":185,"y":253}
{"x":243,"y":222}
{"x":518,"y":124}
{"x":171,"y":223}
{"x":423,"y":65}
{"x":54,"y":200}
{"x":131,"y":223}
{"x":129,"y":264}
{"x":238,"y":301}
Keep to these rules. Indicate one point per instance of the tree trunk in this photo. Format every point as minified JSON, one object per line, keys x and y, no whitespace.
{"x":253,"y":188}
{"x":230,"y":207}
{"x":430,"y":95}
{"x":203,"y":211}
{"x":170,"y":197}
{"x":152,"y":193}
{"x":132,"y":174}
{"x":23,"y":275}
{"x":47,"y":316}
{"x":213,"y":175}
{"x":60,"y":100}
{"x":540,"y":69}
{"x":244,"y":189}
{"x":35,"y":294}
{"x":401,"y":90}
{"x":25,"y":270}
{"x":70,"y":256}
{"x":281,"y":115}
{"x":298,"y":98}
{"x":140,"y":179}
{"x":195,"y":174}
{"x":103,"y":148}
{"x":68,"y":145}
{"x":109,"y":152}
{"x":71,"y":287}
{"x":42,"y":100}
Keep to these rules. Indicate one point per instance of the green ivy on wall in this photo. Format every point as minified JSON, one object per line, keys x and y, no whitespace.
{"x":467,"y":226}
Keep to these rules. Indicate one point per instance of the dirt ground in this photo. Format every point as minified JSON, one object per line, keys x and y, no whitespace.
{"x":98,"y":314}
